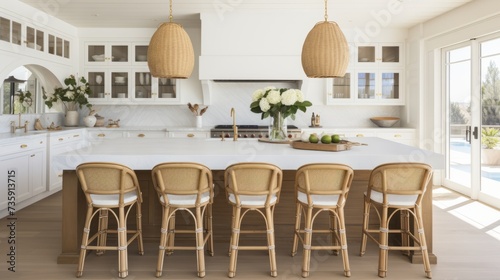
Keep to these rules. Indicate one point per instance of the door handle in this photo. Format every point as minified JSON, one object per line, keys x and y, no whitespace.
{"x":476,"y":132}
{"x":467,"y":133}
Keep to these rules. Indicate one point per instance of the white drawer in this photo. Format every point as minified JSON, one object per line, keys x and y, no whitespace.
{"x":188,"y":134}
{"x":26,"y":144}
{"x":396,"y":135}
{"x":66,"y":138}
{"x":96,"y":135}
{"x":147,"y":134}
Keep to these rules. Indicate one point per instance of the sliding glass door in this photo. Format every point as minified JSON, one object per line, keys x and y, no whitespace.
{"x":472,"y":86}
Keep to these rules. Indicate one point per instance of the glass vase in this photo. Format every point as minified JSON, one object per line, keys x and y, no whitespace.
{"x":277,"y":128}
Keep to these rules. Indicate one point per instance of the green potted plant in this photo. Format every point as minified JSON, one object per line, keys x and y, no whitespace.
{"x":75,"y":95}
{"x":489,"y":140}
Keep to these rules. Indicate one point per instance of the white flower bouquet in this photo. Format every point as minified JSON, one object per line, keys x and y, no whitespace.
{"x":270,"y":101}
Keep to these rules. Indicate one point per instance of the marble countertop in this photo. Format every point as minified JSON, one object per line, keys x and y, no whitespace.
{"x":144,"y":154}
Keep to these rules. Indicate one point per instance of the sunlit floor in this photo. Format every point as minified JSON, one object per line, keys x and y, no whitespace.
{"x":466,"y":243}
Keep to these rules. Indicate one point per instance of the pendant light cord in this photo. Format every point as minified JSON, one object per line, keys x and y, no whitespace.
{"x":326,"y":10}
{"x":171,"y":17}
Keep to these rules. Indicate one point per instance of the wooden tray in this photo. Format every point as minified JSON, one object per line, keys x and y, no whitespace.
{"x":334,"y":147}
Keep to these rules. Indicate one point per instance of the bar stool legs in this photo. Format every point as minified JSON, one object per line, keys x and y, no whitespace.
{"x":235,"y":237}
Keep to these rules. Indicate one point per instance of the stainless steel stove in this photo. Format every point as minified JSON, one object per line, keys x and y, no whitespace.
{"x":250,"y":131}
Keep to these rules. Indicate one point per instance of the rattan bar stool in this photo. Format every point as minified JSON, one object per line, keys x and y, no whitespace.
{"x":252,"y":186}
{"x":393,"y":188}
{"x":321,"y":187}
{"x":185,"y":186}
{"x":110,"y":188}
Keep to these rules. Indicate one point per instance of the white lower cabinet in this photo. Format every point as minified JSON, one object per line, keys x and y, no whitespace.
{"x":60,"y":143}
{"x":23,"y":170}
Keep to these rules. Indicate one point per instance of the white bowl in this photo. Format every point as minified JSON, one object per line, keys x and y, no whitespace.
{"x":33,"y":46}
{"x":119,"y":80}
{"x":98,"y":57}
{"x":384,"y":121}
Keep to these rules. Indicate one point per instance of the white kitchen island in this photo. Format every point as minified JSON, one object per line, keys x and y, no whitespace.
{"x":143,"y":154}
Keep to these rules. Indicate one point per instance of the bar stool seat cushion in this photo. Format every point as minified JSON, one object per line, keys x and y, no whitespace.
{"x":394,"y":199}
{"x":186,"y":199}
{"x":112,"y":199}
{"x":253,"y":200}
{"x":325,"y":200}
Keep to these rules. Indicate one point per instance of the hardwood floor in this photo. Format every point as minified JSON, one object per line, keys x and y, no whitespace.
{"x":467,"y":245}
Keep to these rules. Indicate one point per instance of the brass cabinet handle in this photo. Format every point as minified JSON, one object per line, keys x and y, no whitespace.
{"x":23,"y":146}
{"x":59,"y":175}
{"x":32,"y":156}
{"x":397,"y":135}
{"x":60,"y":139}
{"x":360,"y":135}
{"x":76,"y":135}
{"x":190,"y":135}
{"x":101,"y":135}
{"x":141,"y":135}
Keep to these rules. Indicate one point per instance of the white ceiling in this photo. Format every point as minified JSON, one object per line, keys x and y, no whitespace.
{"x":150,"y":13}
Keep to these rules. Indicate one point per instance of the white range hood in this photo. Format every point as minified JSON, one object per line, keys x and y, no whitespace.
{"x":248,"y":69}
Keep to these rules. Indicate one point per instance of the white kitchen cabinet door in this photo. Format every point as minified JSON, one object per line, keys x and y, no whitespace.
{"x":99,"y":53}
{"x":340,"y":90}
{"x":379,"y":55}
{"x":379,"y":87}
{"x":61,"y":143}
{"x":109,"y":85}
{"x":37,"y":171}
{"x":14,"y":176}
{"x":153,"y":91}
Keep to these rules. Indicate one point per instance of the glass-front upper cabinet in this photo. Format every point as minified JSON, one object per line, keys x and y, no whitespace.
{"x":379,"y":54}
{"x":107,"y":85}
{"x":97,"y":83}
{"x":16,"y":33}
{"x":339,"y":89}
{"x":107,"y":53}
{"x":143,"y":85}
{"x":382,"y":85}
{"x":34,"y":39}
{"x":10,"y":31}
{"x":141,"y":54}
{"x":4,"y":29}
{"x":119,"y":85}
{"x":167,"y":89}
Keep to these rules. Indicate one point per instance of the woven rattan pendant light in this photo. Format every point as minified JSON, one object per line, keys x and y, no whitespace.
{"x":170,"y":51}
{"x":325,"y":52}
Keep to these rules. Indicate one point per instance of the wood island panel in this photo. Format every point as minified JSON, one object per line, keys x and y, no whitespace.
{"x":74,"y":208}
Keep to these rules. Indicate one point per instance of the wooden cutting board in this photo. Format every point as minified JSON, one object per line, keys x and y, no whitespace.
{"x":333,"y":147}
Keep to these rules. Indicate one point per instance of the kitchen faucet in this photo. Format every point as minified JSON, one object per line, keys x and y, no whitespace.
{"x":13,"y":126}
{"x":235,"y":128}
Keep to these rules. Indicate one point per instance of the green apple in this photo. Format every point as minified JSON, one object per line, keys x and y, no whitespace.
{"x":336,"y":138}
{"x":313,"y":138}
{"x":326,"y":139}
